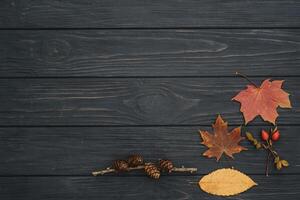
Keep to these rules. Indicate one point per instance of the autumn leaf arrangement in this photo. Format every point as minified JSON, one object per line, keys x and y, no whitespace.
{"x":255,"y":101}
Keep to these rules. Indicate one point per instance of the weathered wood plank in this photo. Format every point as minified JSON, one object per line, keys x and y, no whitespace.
{"x":183,"y":187}
{"x":129,"y":101}
{"x":138,"y":13}
{"x":78,"y":151}
{"x":111,"y":53}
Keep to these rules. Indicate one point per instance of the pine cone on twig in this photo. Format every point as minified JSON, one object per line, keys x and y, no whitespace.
{"x":152,"y":171}
{"x":120,"y":165}
{"x":135,"y":160}
{"x":166,"y":165}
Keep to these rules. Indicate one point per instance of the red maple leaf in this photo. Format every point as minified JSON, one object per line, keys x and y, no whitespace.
{"x":263,"y":100}
{"x":222,"y":141}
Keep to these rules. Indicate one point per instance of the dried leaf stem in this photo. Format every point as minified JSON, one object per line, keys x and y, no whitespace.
{"x":269,"y":148}
{"x":111,"y":170}
{"x":245,"y":77}
{"x":267,"y":164}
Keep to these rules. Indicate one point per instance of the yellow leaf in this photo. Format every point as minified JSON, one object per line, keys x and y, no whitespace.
{"x":279,"y":165}
{"x":226,"y":182}
{"x":284,"y":163}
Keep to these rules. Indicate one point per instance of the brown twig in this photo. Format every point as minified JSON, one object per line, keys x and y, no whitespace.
{"x":111,"y":170}
{"x":245,"y":77}
{"x":184,"y":169}
{"x":270,"y":149}
{"x":267,"y":164}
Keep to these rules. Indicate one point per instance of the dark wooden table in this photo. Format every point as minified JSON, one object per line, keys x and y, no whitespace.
{"x":85,"y":82}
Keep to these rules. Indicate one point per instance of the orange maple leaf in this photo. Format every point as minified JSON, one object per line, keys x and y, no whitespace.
{"x":263,"y":100}
{"x":222,"y":141}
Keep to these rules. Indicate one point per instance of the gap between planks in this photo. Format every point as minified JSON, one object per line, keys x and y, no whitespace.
{"x":151,"y":28}
{"x":143,"y":77}
{"x":132,"y":175}
{"x":131,"y":126}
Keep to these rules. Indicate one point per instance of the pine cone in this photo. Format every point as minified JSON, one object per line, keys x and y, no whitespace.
{"x":166,"y":165}
{"x":135,"y":160}
{"x":120,"y":165}
{"x":152,"y":170}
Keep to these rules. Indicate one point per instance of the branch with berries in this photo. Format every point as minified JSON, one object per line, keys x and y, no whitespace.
{"x":136,"y":162}
{"x":266,"y":143}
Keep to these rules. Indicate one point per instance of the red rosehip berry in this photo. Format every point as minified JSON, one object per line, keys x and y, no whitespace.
{"x":275,"y":135}
{"x":264,"y":135}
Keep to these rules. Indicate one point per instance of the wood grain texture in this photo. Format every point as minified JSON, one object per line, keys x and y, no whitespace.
{"x":129,"y":101}
{"x":86,"y":82}
{"x":115,"y":53}
{"x":79,"y":151}
{"x":173,"y":188}
{"x":141,"y":13}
